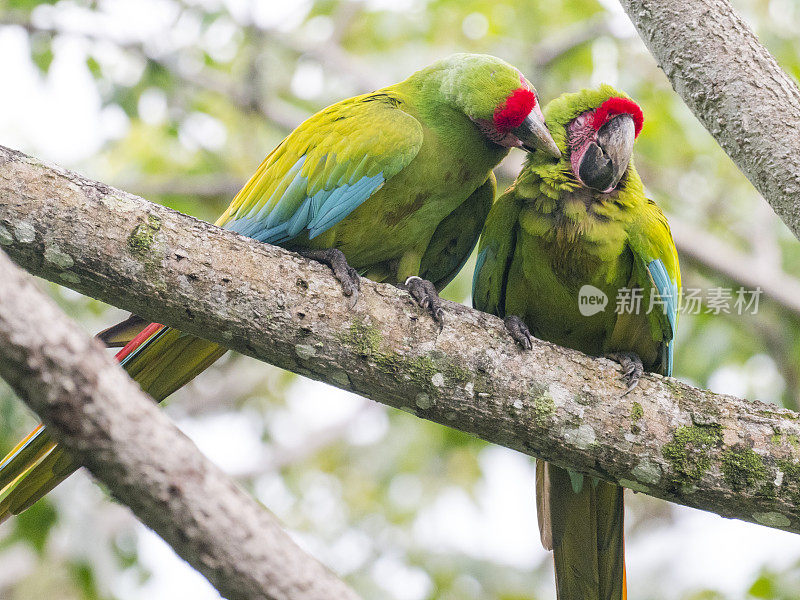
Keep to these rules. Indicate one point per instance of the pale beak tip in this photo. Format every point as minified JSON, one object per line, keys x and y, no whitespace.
{"x":533,"y":134}
{"x":553,"y":150}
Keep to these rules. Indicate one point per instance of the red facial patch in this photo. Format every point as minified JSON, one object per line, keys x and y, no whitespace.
{"x":617,"y":106}
{"x":513,"y":111}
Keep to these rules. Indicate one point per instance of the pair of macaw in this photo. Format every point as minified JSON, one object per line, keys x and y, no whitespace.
{"x":396,"y":185}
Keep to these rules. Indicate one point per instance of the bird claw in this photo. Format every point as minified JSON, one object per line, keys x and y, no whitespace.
{"x":354,"y":279}
{"x":519,"y":331}
{"x":347,"y":276}
{"x":425,"y":295}
{"x":632,"y":368}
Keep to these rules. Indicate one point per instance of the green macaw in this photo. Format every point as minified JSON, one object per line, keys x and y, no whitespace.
{"x":567,"y":223}
{"x":393,"y":185}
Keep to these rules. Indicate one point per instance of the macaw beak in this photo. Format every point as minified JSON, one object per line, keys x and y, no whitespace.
{"x":606,"y":159}
{"x":534,"y":135}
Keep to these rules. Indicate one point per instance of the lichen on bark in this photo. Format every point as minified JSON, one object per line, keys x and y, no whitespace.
{"x":666,"y":438}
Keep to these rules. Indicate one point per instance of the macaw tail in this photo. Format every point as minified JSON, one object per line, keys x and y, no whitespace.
{"x":581,"y":519}
{"x":158,"y":358}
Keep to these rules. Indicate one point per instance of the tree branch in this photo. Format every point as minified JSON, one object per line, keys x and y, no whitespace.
{"x":723,"y":454}
{"x":741,"y":267}
{"x":734,"y":87}
{"x":105,"y":420}
{"x":749,"y":269}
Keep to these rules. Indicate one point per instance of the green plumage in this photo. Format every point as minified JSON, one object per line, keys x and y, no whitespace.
{"x":456,"y":236}
{"x":418,"y":135}
{"x":548,"y":236}
{"x":400,"y":180}
{"x":545,"y":238}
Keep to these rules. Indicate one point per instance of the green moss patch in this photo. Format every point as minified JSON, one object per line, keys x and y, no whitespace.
{"x":141,"y":239}
{"x":637,"y":412}
{"x":430,"y":372}
{"x":543,"y":407}
{"x":688,"y":452}
{"x":790,"y":485}
{"x":364,"y":339}
{"x":742,"y":468}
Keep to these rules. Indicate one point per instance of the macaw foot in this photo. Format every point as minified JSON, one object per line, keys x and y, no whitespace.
{"x":424,"y":293}
{"x":347,"y":275}
{"x":632,"y":368}
{"x":519,"y":331}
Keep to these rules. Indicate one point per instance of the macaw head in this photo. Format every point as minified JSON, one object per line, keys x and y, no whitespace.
{"x":595,"y":130}
{"x":497,"y":98}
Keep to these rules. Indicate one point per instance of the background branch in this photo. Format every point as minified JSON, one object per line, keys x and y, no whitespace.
{"x":743,"y":268}
{"x":734,"y":87}
{"x":114,"y":429}
{"x":730,"y":456}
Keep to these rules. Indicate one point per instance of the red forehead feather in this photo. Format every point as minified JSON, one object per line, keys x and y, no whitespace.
{"x":618,"y":106}
{"x":513,"y":111}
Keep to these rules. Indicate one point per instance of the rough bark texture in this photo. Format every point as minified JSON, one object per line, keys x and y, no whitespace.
{"x":131,"y":446}
{"x":734,"y":87}
{"x":719,"y":453}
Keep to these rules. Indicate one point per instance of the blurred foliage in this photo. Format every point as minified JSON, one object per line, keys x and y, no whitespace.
{"x":192,"y":95}
{"x":784,"y":585}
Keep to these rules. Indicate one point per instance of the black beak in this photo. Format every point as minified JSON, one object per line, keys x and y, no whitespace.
{"x":605,"y":160}
{"x":534,"y":135}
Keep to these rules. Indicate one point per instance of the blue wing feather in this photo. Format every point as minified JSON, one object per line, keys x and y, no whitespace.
{"x":668,"y":291}
{"x":350,"y":197}
{"x":274,"y":222}
{"x":477,"y":274}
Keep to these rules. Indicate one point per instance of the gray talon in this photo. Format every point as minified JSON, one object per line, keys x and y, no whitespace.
{"x":347,"y":276}
{"x":632,"y":368}
{"x":519,"y":331}
{"x":424,"y":293}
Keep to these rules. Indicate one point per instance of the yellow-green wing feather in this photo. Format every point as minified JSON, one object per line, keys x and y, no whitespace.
{"x":456,"y":236}
{"x":656,"y":271}
{"x":325,"y":169}
{"x":494,"y":255}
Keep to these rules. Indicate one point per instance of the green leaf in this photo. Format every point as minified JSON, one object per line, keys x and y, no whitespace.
{"x":94,"y":67}
{"x":42,"y":52}
{"x":763,"y":587}
{"x":28,"y":4}
{"x":34,"y":524}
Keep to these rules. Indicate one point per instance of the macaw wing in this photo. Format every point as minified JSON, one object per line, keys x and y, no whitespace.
{"x":495,"y":252}
{"x":325,"y":169}
{"x":657,"y":271}
{"x":456,"y":236}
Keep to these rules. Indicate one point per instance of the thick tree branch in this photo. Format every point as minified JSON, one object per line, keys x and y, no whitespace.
{"x":701,"y":248}
{"x":719,"y":453}
{"x":113,"y":428}
{"x":734,"y":87}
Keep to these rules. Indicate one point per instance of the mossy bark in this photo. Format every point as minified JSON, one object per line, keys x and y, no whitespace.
{"x":719,"y":453}
{"x":113,"y":428}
